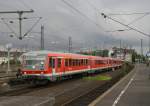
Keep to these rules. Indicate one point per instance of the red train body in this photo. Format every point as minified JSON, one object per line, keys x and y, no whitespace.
{"x":52,"y":65}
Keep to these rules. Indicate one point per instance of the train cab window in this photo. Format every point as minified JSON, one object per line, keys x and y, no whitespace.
{"x":59,"y":62}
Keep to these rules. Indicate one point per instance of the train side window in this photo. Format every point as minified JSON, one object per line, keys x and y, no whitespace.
{"x":51,"y":62}
{"x":77,"y":62}
{"x":73,"y":62}
{"x":59,"y":62}
{"x":70,"y":64}
{"x":66,"y":63}
{"x":86,"y":62}
{"x":82,"y":61}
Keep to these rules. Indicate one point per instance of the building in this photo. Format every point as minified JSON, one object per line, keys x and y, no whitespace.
{"x":122,"y":53}
{"x":14,"y":54}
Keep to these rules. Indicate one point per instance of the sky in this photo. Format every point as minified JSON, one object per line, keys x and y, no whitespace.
{"x":80,"y":19}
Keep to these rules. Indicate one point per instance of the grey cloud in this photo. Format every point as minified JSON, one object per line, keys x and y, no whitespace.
{"x":61,"y":21}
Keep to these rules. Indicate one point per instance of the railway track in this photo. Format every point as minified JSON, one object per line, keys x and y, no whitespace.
{"x":18,"y":90}
{"x":70,"y":92}
{"x":87,"y":97}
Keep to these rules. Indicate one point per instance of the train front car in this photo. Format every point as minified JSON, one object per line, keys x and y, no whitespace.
{"x":34,"y":67}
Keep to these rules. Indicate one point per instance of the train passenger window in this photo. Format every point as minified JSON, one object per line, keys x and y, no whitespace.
{"x":70,"y":62}
{"x":51,"y":62}
{"x":73,"y":62}
{"x":79,"y":62}
{"x":76,"y":62}
{"x":86,"y":61}
{"x":59,"y":63}
{"x":66,"y":63}
{"x":82,"y":61}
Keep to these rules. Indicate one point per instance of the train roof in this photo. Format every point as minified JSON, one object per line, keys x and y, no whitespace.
{"x":51,"y":53}
{"x":69,"y":55}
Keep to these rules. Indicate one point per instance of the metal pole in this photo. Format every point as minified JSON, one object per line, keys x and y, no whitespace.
{"x":20,"y":25}
{"x":120,"y":48}
{"x":70,"y":44}
{"x":149,"y":44}
{"x":141,"y":47}
{"x":8,"y":63}
{"x":42,"y":37}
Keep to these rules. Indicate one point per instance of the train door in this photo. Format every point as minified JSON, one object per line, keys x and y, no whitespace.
{"x":56,"y":65}
{"x":59,"y":65}
{"x":52,"y":64}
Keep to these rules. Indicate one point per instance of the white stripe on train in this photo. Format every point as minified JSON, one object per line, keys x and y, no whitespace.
{"x":71,"y":72}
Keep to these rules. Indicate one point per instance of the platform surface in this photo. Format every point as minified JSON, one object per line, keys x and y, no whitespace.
{"x":133,"y":90}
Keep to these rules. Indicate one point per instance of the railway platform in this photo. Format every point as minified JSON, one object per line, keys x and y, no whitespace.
{"x":132,"y":90}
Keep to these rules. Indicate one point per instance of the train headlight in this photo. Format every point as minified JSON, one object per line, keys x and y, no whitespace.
{"x":25,"y":73}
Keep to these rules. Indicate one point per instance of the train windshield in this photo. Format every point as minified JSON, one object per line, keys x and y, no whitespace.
{"x":34,"y":64}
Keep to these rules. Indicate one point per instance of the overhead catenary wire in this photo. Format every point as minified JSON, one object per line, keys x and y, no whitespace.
{"x":138,"y":18}
{"x":78,"y":11}
{"x":136,"y":13}
{"x":133,"y":21}
{"x":24,"y":3}
{"x":32,"y":27}
{"x":9,"y":27}
{"x":106,"y":16}
{"x":22,"y":18}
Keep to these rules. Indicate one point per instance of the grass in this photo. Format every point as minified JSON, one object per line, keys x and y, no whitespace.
{"x":98,"y":78}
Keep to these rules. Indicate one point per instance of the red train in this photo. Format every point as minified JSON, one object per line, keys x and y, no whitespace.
{"x":52,"y":65}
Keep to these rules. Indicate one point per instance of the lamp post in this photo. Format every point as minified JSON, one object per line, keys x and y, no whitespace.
{"x":8,"y":46}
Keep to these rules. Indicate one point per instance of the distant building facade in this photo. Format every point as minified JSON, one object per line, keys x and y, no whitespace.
{"x":14,"y":54}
